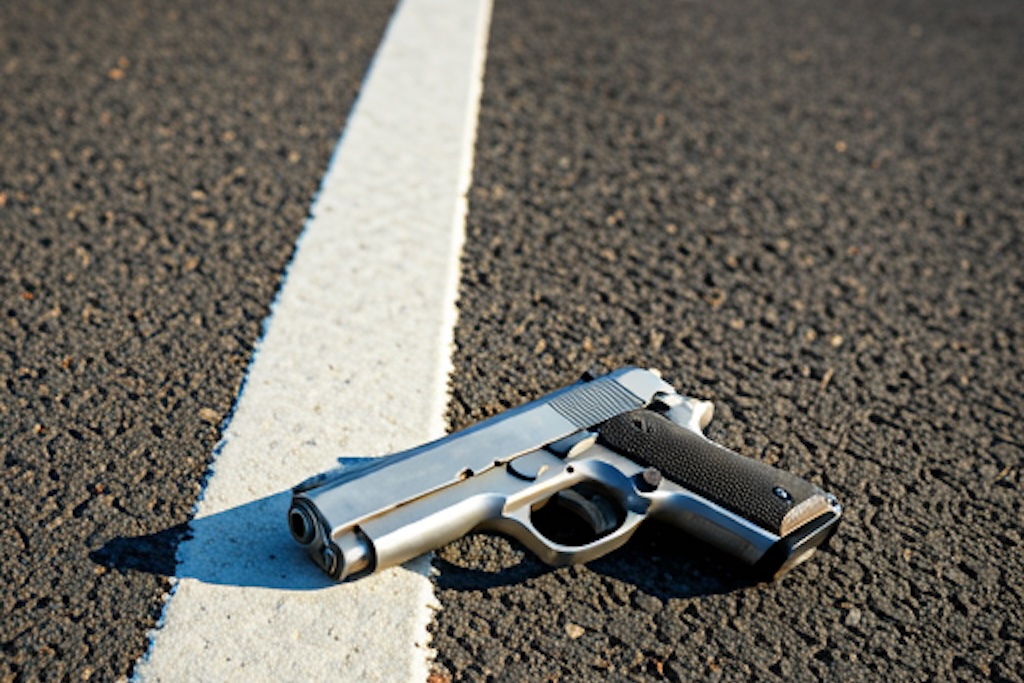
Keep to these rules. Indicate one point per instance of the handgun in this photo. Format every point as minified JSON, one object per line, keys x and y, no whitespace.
{"x":605,"y":453}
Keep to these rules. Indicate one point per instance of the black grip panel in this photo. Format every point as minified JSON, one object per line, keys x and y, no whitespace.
{"x":756,"y":491}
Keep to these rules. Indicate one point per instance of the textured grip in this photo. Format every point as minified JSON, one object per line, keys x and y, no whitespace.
{"x":756,"y":491}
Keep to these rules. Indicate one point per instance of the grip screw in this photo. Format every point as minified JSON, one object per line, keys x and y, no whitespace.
{"x":783,"y":494}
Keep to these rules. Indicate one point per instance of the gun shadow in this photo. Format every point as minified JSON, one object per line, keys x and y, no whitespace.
{"x":658,"y":560}
{"x":248,"y":545}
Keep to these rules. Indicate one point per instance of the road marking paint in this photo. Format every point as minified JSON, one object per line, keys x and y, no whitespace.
{"x":354,"y":362}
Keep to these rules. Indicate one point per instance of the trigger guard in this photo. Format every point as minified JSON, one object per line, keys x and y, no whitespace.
{"x":518,"y":525}
{"x":630,"y":509}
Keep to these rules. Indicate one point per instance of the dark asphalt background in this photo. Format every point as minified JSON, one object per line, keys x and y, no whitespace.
{"x":810,"y":213}
{"x":157,"y":161}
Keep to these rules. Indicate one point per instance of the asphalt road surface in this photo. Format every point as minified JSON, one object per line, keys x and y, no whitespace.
{"x":810,"y":213}
{"x":158,"y":163}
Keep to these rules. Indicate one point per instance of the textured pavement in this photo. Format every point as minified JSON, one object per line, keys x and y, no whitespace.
{"x":810,"y":213}
{"x":158,"y":163}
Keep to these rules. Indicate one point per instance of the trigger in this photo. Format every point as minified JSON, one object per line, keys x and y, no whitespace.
{"x":594,"y":509}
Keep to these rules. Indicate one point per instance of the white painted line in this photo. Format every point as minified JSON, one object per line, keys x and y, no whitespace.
{"x":354,"y":363}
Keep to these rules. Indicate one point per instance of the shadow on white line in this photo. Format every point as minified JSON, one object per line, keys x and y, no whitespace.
{"x":248,"y":545}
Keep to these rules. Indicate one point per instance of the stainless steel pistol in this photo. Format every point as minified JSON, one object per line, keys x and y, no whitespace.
{"x":610,"y":450}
